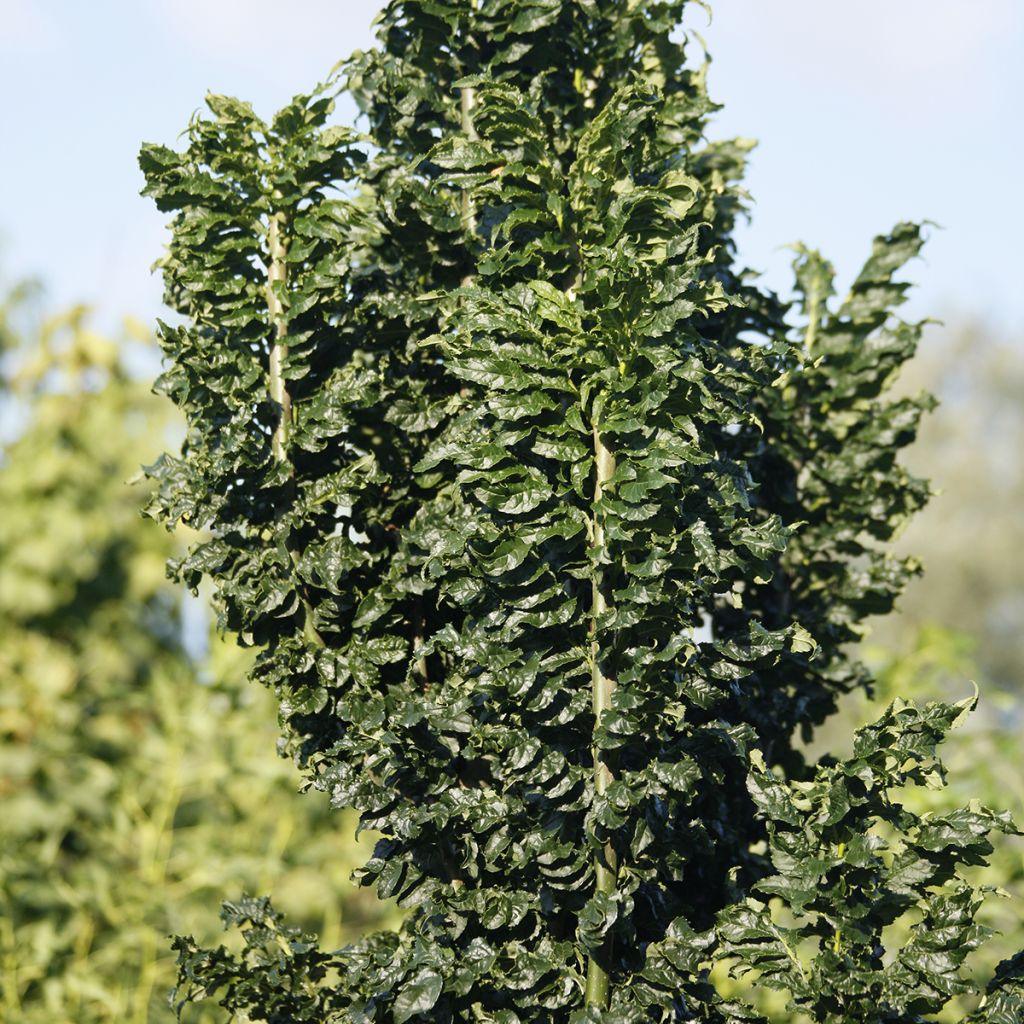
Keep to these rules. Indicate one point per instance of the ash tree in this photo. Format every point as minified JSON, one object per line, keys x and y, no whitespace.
{"x":553,"y":529}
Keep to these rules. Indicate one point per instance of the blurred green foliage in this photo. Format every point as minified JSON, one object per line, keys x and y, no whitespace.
{"x":961,"y":621}
{"x":971,"y":534}
{"x":135,"y":797}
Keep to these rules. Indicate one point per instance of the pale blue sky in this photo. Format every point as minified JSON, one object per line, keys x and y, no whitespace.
{"x":868,"y":111}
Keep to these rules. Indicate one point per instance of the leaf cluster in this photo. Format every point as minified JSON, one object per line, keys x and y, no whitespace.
{"x":850,"y":860}
{"x":550,"y":525}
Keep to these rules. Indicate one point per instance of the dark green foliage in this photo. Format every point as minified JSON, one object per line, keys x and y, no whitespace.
{"x":829,"y":465}
{"x":549,"y":529}
{"x":851,"y":860}
{"x":271,"y":950}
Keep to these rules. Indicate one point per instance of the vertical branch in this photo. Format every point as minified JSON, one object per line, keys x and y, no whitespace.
{"x":606,"y":861}
{"x":419,"y":638}
{"x":467,"y":100}
{"x":812,"y":305}
{"x":277,"y":273}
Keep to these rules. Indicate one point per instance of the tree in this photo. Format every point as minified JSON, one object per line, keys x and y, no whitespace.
{"x":133,"y":795}
{"x":983,"y":766}
{"x":551,"y":528}
{"x":969,"y":536}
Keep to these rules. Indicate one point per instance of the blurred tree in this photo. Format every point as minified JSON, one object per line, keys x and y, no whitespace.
{"x":132,"y":795}
{"x":972,"y":533}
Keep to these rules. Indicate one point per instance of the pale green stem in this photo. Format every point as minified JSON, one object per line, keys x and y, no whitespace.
{"x":606,"y":862}
{"x":277,"y":273}
{"x":467,"y":101}
{"x":814,"y":297}
{"x":419,"y":638}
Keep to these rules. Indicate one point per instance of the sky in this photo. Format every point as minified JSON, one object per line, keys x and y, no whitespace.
{"x":867,"y":112}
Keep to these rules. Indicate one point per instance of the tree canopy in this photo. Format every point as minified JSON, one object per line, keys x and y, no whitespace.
{"x":551,"y":527}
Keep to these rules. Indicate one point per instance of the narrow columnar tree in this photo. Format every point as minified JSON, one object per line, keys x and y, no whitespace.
{"x":551,"y":527}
